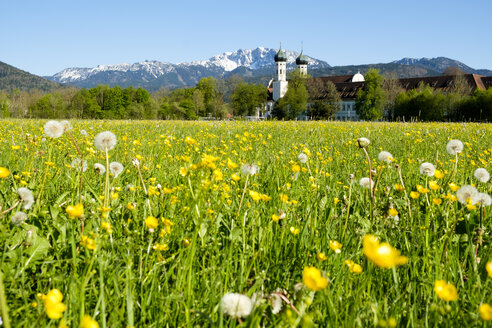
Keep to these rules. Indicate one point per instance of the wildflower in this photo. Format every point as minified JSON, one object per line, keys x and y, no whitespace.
{"x":392,"y":212}
{"x":88,"y":322}
{"x":296,"y":168}
{"x":4,"y":172}
{"x":445,"y":291}
{"x":321,"y":256}
{"x":382,"y":254}
{"x":437,"y":201}
{"x":427,"y":169}
{"x":88,"y":242}
{"x":276,"y":302}
{"x":79,"y":164}
{"x":18,"y":218}
{"x":353,"y":267}
{"x":75,"y":211}
{"x":414,"y":194}
{"x":422,"y":190}
{"x":101,"y":169}
{"x":433,"y":185}
{"x":484,"y":199}
{"x":398,"y":187}
{"x":236,"y":305}
{"x":366,"y":183}
{"x":313,"y":279}
{"x":303,"y":158}
{"x":481,"y":175}
{"x":115,"y":168}
{"x":231,"y":164}
{"x":294,"y":230}
{"x":467,"y":195}
{"x":53,"y":129}
{"x":26,"y":197}
{"x":53,"y":304}
{"x":336,"y":200}
{"x":107,"y":226}
{"x":488,"y":267}
{"x":249,"y":169}
{"x":275,"y":217}
{"x":454,"y":146}
{"x":485,"y":311}
{"x":218,"y":175}
{"x":363,"y":142}
{"x":438,"y":174}
{"x":453,"y":186}
{"x":105,"y":141}
{"x":235,"y":177}
{"x":385,"y":156}
{"x":83,"y":132}
{"x":182,"y":171}
{"x":335,"y":246}
{"x":190,"y":141}
{"x":151,"y":223}
{"x":255,"y":195}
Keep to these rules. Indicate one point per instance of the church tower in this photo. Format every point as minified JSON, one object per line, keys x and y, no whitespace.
{"x":280,"y":83}
{"x":302,"y":62}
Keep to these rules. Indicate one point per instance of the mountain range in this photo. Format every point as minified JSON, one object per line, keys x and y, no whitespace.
{"x":254,"y":65}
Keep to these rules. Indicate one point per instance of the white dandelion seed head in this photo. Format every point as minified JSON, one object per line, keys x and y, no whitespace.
{"x":484,"y":199}
{"x":276,"y":302}
{"x":249,"y":169}
{"x":467,"y":194}
{"x":18,"y":218}
{"x":26,"y":197}
{"x":385,"y":156}
{"x":481,"y":175}
{"x":53,"y":129}
{"x":78,"y":164}
{"x":427,"y":169}
{"x":236,"y":305}
{"x":100,"y":168}
{"x":454,"y":146}
{"x":366,"y":183}
{"x":105,"y":140}
{"x":84,"y":133}
{"x":303,"y":158}
{"x":363,"y":142}
{"x":115,"y":168}
{"x":128,"y":187}
{"x":135,"y":162}
{"x":67,"y":126}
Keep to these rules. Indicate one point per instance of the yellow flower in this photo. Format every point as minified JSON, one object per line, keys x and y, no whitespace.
{"x":453,"y":186}
{"x":151,"y":222}
{"x":218,"y":174}
{"x":4,"y":172}
{"x":130,"y":206}
{"x":235,"y":177}
{"x":87,"y":242}
{"x":190,"y":141}
{"x":114,"y":195}
{"x":321,"y":256}
{"x":433,"y":185}
{"x":353,"y":267}
{"x":265,"y":198}
{"x":182,"y":171}
{"x":296,"y":168}
{"x":414,"y":194}
{"x":393,"y":212}
{"x":438,"y":174}
{"x":313,"y":279}
{"x":336,"y":200}
{"x":485,"y":311}
{"x":107,"y":226}
{"x":437,"y":201}
{"x":422,"y":190}
{"x":88,"y":322}
{"x":382,"y":254}
{"x":294,"y":230}
{"x":255,"y":195}
{"x":231,"y":164}
{"x":335,"y":246}
{"x":53,"y":304}
{"x":284,"y":198}
{"x":488,"y":267}
{"x":445,"y":291}
{"x":275,"y":217}
{"x":75,"y":211}
{"x":398,"y":187}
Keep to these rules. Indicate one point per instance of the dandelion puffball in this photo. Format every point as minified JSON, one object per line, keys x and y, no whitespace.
{"x":454,"y":146}
{"x":385,"y":156}
{"x":481,"y":175}
{"x":363,"y":142}
{"x":115,"y":168}
{"x":366,"y":183}
{"x":427,"y":169}
{"x":18,"y":218}
{"x":79,"y":164}
{"x":236,"y":305}
{"x":105,"y":141}
{"x":66,"y":125}
{"x":54,"y":129}
{"x":484,"y":199}
{"x":26,"y":197}
{"x":100,"y":168}
{"x":467,"y":194}
{"x":249,"y":169}
{"x":303,"y":158}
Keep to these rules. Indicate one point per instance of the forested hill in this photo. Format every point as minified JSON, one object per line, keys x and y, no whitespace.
{"x":12,"y":78}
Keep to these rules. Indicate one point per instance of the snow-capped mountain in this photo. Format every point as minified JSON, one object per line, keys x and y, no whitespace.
{"x":440,"y":64}
{"x":155,"y":74}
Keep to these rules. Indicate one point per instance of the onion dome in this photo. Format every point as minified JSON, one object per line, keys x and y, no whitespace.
{"x":302,"y":59}
{"x":280,"y":56}
{"x":358,"y":77}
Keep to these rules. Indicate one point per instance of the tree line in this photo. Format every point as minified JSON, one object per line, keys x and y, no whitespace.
{"x":381,"y":98}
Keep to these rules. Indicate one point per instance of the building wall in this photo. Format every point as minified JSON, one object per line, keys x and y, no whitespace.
{"x":348,"y":112}
{"x":279,"y":89}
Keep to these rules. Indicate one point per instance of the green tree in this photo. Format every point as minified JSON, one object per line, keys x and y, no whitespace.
{"x":370,"y":100}
{"x":295,"y":100}
{"x":247,"y":97}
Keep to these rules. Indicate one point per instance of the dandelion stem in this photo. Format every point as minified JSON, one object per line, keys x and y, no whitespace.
{"x":10,"y":209}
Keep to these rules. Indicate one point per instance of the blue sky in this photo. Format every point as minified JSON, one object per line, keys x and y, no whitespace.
{"x":44,"y":37}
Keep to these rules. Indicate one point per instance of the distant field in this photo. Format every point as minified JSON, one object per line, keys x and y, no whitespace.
{"x":271,"y":210}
